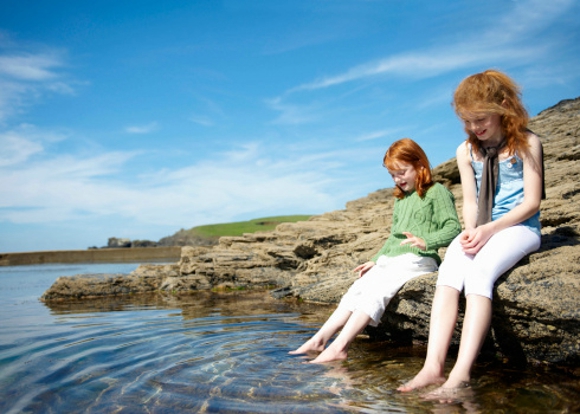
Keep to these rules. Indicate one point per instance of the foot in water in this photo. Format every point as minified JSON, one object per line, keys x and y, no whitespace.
{"x":308,"y":347}
{"x":422,"y":379}
{"x":330,"y":355}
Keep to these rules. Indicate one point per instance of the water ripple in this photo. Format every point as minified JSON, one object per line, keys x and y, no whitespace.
{"x":225,"y":353}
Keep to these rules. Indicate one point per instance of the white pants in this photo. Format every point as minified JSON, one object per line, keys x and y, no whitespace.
{"x":478,"y":273}
{"x":372,"y":293}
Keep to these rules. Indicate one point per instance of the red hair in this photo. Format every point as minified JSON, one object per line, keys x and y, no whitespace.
{"x":407,"y":151}
{"x":493,"y":92}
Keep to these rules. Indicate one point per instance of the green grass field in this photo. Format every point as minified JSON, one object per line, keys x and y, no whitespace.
{"x":241,"y":227}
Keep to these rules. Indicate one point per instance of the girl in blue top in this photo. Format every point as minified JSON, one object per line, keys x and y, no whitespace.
{"x":502,"y":181}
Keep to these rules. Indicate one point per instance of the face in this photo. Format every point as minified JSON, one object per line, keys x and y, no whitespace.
{"x":485,"y":126}
{"x":404,"y":176}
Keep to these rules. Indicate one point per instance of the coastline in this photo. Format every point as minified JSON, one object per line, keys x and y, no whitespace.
{"x":109,"y":255}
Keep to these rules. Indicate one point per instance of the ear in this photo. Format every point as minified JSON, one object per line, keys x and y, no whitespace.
{"x":505,"y":104}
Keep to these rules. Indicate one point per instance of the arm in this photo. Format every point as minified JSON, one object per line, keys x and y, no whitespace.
{"x":530,"y":206}
{"x":468,"y":186}
{"x":393,"y":230}
{"x":445,"y":224}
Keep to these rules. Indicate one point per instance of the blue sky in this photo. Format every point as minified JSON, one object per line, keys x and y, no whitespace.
{"x":138,"y":118}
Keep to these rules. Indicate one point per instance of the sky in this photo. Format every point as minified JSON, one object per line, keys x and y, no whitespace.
{"x":136,"y":119}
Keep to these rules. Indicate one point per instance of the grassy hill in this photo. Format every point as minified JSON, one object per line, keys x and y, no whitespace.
{"x":210,"y":233}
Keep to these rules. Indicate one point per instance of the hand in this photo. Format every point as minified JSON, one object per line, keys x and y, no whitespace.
{"x":472,"y":240}
{"x":414,"y":241}
{"x":363,"y":268}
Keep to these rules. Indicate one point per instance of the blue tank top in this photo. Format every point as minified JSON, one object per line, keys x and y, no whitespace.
{"x":509,"y":191}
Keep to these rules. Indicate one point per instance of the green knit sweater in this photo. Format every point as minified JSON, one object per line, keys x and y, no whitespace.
{"x":433,"y":218}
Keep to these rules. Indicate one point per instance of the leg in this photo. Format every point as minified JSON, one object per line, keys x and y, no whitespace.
{"x":499,"y":254}
{"x":475,"y":327}
{"x":317,"y":343}
{"x":338,"y":349}
{"x":441,"y":326}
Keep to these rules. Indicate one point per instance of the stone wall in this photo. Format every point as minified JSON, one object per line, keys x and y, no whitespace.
{"x":121,"y":255}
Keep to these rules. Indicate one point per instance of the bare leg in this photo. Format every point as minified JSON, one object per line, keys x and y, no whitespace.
{"x":441,"y":326}
{"x":333,"y":324}
{"x":475,"y":327}
{"x":338,"y":349}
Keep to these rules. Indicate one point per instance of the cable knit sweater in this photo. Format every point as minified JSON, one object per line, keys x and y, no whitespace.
{"x":433,"y":218}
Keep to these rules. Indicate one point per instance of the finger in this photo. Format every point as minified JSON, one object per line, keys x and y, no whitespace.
{"x":472,"y":249}
{"x":409,"y":235}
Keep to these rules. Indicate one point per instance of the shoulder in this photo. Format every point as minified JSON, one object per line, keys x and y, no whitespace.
{"x":462,"y":149}
{"x":534,"y":147}
{"x":533,"y":140}
{"x":438,"y":190}
{"x":462,"y":152}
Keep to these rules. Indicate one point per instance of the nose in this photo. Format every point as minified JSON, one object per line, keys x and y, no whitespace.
{"x":471,"y":125}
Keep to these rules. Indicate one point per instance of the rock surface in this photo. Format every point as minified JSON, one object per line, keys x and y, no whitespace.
{"x":536,"y":315}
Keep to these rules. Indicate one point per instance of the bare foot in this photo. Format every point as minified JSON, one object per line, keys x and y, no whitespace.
{"x":309,"y":346}
{"x":423,"y":379}
{"x":330,"y":354}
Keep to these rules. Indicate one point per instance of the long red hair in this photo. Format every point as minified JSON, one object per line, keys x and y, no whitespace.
{"x":407,"y":151}
{"x":493,"y":92}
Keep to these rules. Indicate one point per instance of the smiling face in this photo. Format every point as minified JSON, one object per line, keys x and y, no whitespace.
{"x":404,"y":176}
{"x":485,"y":126}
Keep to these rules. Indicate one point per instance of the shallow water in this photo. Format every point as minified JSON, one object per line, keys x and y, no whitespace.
{"x":210,"y":352}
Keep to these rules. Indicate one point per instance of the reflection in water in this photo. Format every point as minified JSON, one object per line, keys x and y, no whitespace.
{"x":224,"y":352}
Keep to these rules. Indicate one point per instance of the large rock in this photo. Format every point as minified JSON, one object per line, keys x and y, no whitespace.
{"x":536,"y":315}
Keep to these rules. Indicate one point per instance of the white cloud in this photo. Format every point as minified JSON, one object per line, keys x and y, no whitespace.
{"x":291,"y":114}
{"x":23,"y":142}
{"x":501,"y":42}
{"x":25,"y":76}
{"x":64,"y":187}
{"x":201,"y":120}
{"x":30,"y":67}
{"x":142,"y":129}
{"x":378,"y":134}
{"x":16,"y":149}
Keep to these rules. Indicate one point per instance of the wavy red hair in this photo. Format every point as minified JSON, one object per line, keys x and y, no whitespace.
{"x":493,"y":92}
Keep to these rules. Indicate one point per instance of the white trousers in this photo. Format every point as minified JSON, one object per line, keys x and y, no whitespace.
{"x":372,"y":293}
{"x":478,"y":273}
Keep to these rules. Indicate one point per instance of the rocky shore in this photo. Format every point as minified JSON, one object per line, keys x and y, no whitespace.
{"x":536,"y":314}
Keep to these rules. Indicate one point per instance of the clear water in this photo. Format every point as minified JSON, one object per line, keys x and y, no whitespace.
{"x":210,"y":352}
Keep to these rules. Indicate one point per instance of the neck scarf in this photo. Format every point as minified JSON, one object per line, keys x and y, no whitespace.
{"x":488,"y":183}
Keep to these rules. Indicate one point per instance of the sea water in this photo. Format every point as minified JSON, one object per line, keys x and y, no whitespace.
{"x":216,"y":353}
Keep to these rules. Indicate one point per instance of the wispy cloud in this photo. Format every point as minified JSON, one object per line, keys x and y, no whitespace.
{"x":23,"y":142}
{"x":202,"y":120}
{"x":37,"y":184}
{"x":291,"y":114}
{"x":16,"y":149}
{"x":30,"y":67}
{"x":378,"y":134}
{"x":501,"y":42}
{"x":26,"y":75}
{"x":142,"y":129}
